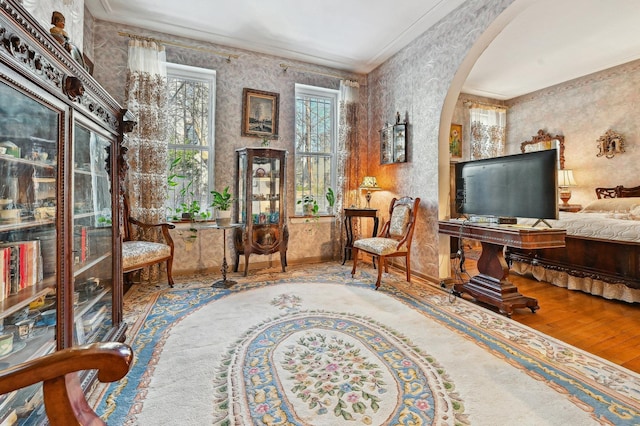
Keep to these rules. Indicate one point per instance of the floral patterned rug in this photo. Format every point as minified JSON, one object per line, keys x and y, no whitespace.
{"x":315,"y":346}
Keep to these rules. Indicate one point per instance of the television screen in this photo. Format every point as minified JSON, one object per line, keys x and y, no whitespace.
{"x":521,"y":185}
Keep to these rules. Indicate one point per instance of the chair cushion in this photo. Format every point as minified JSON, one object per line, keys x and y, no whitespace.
{"x":379,"y":246}
{"x":141,"y":252}
{"x":399,"y":220}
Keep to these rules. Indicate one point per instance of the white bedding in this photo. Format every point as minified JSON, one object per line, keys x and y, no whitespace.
{"x":605,"y":226}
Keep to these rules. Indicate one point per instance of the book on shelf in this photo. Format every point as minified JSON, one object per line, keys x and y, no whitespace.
{"x":20,"y":266}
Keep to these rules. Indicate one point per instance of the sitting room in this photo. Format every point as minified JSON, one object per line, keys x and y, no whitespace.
{"x":255,"y":212}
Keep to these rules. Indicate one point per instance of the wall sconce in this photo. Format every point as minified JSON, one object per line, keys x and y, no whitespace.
{"x":369,"y":184}
{"x":565,"y":181}
{"x":610,"y":144}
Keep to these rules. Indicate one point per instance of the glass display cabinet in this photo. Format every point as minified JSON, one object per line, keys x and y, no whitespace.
{"x":260,"y":189}
{"x":60,"y":269}
{"x":393,"y":143}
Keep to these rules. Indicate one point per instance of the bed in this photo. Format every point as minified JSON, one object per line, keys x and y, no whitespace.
{"x":602,"y":252}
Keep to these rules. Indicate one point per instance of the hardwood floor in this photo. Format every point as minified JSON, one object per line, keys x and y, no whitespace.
{"x":607,"y":328}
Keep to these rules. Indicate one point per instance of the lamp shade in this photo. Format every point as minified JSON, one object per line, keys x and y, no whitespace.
{"x":369,"y":183}
{"x":565,"y":178}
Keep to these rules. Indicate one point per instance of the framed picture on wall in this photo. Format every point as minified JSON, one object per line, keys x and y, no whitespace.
{"x":455,"y":141}
{"x":260,"y":113}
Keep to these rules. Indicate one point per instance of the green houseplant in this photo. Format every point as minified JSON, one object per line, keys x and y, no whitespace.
{"x":331,"y":200}
{"x":222,"y":204}
{"x":309,"y":205}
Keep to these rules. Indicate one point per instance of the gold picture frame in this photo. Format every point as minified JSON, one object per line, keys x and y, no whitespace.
{"x":455,"y":141}
{"x":260,"y":113}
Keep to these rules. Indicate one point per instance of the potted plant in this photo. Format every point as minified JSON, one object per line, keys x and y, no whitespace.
{"x":309,"y":205}
{"x":331,"y":200}
{"x":222,"y":203}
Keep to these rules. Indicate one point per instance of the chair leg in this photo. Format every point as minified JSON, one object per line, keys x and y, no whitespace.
{"x":169,"y":275}
{"x":408,"y":268}
{"x":354,"y":254}
{"x":382,"y":262}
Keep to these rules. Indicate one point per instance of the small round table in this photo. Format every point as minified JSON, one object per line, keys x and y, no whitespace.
{"x":224,"y":282}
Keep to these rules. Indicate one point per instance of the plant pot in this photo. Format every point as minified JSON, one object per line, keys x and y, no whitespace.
{"x":223,"y":217}
{"x":307,"y":209}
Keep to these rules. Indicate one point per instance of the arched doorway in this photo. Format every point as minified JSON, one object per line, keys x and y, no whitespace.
{"x":447,"y":113}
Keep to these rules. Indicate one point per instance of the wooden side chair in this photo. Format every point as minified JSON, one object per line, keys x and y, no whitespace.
{"x":394,"y":239}
{"x":138,"y":254}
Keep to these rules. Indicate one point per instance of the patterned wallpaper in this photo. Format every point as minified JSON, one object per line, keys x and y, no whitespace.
{"x":594,"y":104}
{"x":252,"y":70}
{"x":414,"y":82}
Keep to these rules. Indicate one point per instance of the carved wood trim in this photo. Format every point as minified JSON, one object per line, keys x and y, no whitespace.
{"x":29,"y":54}
{"x":545,"y":141}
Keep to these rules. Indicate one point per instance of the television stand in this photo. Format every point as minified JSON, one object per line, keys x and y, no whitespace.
{"x":491,"y":285}
{"x":543,"y":221}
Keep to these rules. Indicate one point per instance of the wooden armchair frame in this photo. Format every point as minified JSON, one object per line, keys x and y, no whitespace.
{"x":389,"y":243}
{"x":64,"y":399}
{"x":153,"y":252}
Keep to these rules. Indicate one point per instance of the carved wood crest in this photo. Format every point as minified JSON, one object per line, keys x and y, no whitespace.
{"x":544,"y":140}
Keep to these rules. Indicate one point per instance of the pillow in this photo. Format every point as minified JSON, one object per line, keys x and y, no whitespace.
{"x":622,"y":205}
{"x":634,"y":213}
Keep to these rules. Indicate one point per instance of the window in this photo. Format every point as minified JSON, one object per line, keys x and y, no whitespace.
{"x":190,"y":133}
{"x":316,"y":133}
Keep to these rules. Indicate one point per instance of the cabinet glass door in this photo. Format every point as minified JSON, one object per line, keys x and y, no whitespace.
{"x":29,"y":132}
{"x":92,"y":236}
{"x":266,"y":200}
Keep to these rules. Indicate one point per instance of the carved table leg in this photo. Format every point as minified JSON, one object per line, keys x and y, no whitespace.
{"x":491,"y":285}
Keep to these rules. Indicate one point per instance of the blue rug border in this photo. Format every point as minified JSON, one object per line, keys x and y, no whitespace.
{"x":174,"y":304}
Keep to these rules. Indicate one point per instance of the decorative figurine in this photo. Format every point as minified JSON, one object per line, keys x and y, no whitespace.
{"x":59,"y":33}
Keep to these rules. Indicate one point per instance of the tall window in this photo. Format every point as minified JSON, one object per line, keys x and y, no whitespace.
{"x":191,"y":111}
{"x":316,"y":135}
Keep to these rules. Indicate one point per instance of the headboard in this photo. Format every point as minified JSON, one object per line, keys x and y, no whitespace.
{"x":618,"y":192}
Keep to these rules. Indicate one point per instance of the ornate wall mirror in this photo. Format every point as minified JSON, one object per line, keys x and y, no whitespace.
{"x":544,"y":140}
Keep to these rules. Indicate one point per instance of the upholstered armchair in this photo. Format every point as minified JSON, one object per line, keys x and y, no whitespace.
{"x":394,"y":239}
{"x":138,"y":254}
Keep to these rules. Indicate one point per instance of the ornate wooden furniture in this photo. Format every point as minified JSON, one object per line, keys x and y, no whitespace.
{"x":491,"y":285}
{"x":64,"y":399}
{"x":260,"y":188}
{"x":137,"y":253}
{"x":610,"y":261}
{"x":61,"y":274}
{"x":349,"y":214}
{"x":618,"y":192}
{"x":395,"y":237}
{"x":544,"y":140}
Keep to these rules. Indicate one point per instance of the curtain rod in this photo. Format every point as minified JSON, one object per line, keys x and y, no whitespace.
{"x":286,"y":67}
{"x":171,"y":43}
{"x":469,"y":102}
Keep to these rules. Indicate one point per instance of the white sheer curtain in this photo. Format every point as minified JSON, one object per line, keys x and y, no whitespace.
{"x":488,"y":130}
{"x":347,"y":151}
{"x":146,"y":180}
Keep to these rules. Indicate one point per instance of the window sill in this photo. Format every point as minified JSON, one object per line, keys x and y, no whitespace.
{"x":326,"y":218}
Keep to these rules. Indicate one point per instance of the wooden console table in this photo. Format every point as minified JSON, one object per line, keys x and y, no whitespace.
{"x":491,"y":285}
{"x":349,"y":214}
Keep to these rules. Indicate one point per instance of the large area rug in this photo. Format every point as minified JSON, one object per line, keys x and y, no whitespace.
{"x":317,"y":347}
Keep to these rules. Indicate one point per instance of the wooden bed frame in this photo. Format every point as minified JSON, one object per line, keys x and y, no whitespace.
{"x":605,"y":260}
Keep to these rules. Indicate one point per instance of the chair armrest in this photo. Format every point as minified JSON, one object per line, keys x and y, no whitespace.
{"x":64,"y":399}
{"x":165,"y":226}
{"x":151,"y":225}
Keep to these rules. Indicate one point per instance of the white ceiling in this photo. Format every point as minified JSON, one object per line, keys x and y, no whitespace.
{"x":551,"y":42}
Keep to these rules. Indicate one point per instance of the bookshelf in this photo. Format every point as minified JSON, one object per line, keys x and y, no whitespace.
{"x":60,"y":270}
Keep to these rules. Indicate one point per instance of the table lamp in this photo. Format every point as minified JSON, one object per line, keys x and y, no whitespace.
{"x":565,"y":181}
{"x":369,"y":184}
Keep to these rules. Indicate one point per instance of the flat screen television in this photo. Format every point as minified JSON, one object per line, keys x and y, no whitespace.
{"x":520,"y":185}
